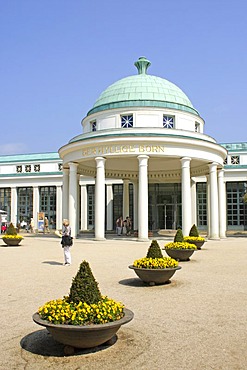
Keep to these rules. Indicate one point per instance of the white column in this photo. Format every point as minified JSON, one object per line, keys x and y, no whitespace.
{"x":100,"y":199}
{"x":59,"y":203}
{"x":65,"y":209}
{"x":143,"y":198}
{"x":126,"y":210}
{"x":73,"y":197}
{"x":214,"y":202}
{"x":193,"y":203}
{"x":208,"y":205}
{"x":109,"y":207}
{"x":222,"y":203}
{"x":35,"y":206}
{"x":135,"y":201}
{"x":186,"y":196}
{"x":13,"y":217}
{"x":83,"y":207}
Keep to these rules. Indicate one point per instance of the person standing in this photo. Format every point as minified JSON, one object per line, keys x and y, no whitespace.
{"x":32,"y":226}
{"x":66,"y":242}
{"x":128,"y":226}
{"x":46,"y":229}
{"x":119,"y":225}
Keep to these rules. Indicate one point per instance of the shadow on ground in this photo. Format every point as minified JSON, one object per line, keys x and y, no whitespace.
{"x":42,"y":343}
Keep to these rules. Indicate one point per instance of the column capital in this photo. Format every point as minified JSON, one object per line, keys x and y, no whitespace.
{"x":221,"y":173}
{"x":185,"y":161}
{"x":143,"y":156}
{"x":100,"y":161}
{"x":73,"y":166}
{"x":143,"y":159}
{"x":212,"y":166}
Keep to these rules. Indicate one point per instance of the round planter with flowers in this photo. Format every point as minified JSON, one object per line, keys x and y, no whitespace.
{"x":154,"y":268}
{"x":197,"y":240}
{"x":180,"y":251}
{"x":11,"y":238}
{"x":85,"y":318}
{"x":194,"y":237}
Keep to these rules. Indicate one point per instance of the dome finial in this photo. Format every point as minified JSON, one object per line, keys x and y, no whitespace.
{"x":142,"y":65}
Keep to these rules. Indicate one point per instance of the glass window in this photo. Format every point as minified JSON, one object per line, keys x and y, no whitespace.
{"x":235,"y":159}
{"x":5,"y":201}
{"x":168,"y":121}
{"x":18,"y":169}
{"x":90,"y":202}
{"x":127,"y":121}
{"x":236,"y":204}
{"x":24,"y":205}
{"x":37,"y":168}
{"x":47,"y":199}
{"x":117,"y":202}
{"x":93,"y":126}
{"x":197,"y":127}
{"x":201,"y":193}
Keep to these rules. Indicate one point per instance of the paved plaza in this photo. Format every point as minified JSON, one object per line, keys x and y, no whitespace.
{"x":198,"y":321}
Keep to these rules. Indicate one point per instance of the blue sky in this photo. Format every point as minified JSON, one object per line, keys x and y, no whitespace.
{"x":57,"y":56}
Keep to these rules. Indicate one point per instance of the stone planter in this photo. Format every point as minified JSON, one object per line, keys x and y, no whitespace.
{"x":155,"y":276}
{"x":198,"y":243}
{"x":180,"y":254}
{"x":11,"y":241}
{"x":87,"y":336}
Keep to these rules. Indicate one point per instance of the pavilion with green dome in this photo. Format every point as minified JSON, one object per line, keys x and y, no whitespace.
{"x":143,"y":132}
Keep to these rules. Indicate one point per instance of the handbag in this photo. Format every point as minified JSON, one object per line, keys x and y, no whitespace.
{"x":67,"y":241}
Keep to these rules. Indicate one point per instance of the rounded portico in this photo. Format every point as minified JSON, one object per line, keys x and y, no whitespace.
{"x":145,"y":131}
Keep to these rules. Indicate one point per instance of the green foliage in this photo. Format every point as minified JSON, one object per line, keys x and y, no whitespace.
{"x":154,"y":250}
{"x":84,"y":287}
{"x":194,"y":231}
{"x":11,"y":230}
{"x":179,"y":236}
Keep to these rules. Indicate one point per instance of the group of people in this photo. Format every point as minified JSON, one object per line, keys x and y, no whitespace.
{"x":123,"y":227}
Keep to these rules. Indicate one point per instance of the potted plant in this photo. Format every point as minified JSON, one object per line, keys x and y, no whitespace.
{"x":155,"y":268}
{"x":194,"y":237}
{"x":11,"y":237}
{"x":179,"y":249}
{"x":84,"y":318}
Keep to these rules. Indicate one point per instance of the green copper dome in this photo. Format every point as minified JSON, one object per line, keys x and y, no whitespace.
{"x":143,"y":90}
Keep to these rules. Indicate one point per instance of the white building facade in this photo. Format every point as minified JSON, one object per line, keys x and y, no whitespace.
{"x":143,"y":153}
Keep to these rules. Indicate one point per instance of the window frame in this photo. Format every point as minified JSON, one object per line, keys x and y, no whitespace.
{"x":128,"y":117}
{"x":167,"y":116}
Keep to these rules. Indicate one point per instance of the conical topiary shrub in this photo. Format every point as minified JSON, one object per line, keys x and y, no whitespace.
{"x":84,"y":287}
{"x":11,"y":230}
{"x":179,"y":236}
{"x":154,"y":250}
{"x":194,"y":231}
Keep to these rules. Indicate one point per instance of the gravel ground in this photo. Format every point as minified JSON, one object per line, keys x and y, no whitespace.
{"x":197,"y":321}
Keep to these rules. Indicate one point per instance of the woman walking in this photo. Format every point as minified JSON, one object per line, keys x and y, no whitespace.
{"x":66,"y":242}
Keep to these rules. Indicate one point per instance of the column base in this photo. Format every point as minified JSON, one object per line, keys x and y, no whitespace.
{"x":143,"y":239}
{"x":99,"y":239}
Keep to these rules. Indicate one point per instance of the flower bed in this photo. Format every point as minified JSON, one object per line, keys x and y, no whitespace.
{"x":155,"y":263}
{"x":194,"y":238}
{"x":12,"y":237}
{"x":62,"y":311}
{"x":180,"y":245}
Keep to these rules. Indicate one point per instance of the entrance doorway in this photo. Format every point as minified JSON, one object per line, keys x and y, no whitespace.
{"x":168,"y":216}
